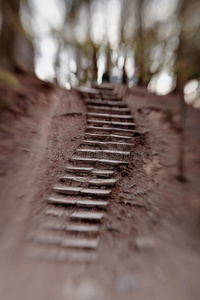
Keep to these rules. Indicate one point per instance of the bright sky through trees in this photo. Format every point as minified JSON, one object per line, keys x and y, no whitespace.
{"x":102,"y":19}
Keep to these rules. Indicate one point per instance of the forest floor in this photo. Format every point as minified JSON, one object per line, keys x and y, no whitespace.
{"x":150,"y":239}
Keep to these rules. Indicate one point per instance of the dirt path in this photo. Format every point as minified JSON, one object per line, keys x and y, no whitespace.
{"x":149,"y":241}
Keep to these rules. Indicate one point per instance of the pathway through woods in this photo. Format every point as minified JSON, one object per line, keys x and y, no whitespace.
{"x":70,"y":225}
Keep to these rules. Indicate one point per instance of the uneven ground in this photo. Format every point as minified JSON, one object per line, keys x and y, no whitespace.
{"x":39,"y":132}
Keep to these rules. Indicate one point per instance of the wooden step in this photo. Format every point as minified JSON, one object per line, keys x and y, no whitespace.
{"x":102,"y":182}
{"x":110,"y":116}
{"x":99,"y":153}
{"x":111,"y":123}
{"x":62,"y":200}
{"x":82,"y":160}
{"x":82,"y":228}
{"x":104,"y":145}
{"x":110,"y":129}
{"x":80,"y":243}
{"x":77,"y":179}
{"x":91,"y":203}
{"x":71,"y":227}
{"x":111,"y":110}
{"x":79,"y":170}
{"x":87,"y":216}
{"x":109,"y":97}
{"x":95,"y":192}
{"x":102,"y":173}
{"x":57,"y":213}
{"x":68,"y":190}
{"x":107,"y":162}
{"x":105,"y":103}
{"x":77,"y":201}
{"x":76,"y":242}
{"x":113,"y":163}
{"x":90,"y":171}
{"x":101,"y":136}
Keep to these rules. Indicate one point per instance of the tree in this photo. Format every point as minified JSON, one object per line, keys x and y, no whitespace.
{"x":107,"y":73}
{"x":16,"y":51}
{"x":123,"y":42}
{"x":187,"y":67}
{"x":139,"y":43}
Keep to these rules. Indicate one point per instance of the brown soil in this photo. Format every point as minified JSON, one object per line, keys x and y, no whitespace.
{"x":39,"y":132}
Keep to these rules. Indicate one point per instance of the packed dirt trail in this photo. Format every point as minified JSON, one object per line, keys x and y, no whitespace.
{"x":91,"y":207}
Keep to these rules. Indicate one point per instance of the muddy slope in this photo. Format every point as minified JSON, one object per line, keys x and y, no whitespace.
{"x":41,"y":125}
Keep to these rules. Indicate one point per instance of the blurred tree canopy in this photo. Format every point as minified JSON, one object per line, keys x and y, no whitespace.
{"x":131,"y":41}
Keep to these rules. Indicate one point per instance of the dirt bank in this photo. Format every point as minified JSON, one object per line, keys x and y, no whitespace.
{"x":151,"y":207}
{"x":41,"y":126}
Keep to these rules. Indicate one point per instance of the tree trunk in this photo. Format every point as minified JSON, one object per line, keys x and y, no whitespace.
{"x":181,"y":75}
{"x":124,"y":75}
{"x":78,"y":65}
{"x":139,"y":49}
{"x":181,"y":166}
{"x":94,"y":65}
{"x":16,"y":51}
{"x":108,"y":65}
{"x":179,"y":89}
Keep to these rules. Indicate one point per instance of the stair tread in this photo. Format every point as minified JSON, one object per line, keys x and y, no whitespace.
{"x":110,"y":129}
{"x":99,"y":181}
{"x":91,"y":160}
{"x":110,"y":116}
{"x":103,"y":151}
{"x":80,"y":243}
{"x":78,"y":201}
{"x":111,"y":122}
{"x":79,"y":169}
{"x":107,"y":136}
{"x":94,"y":142}
{"x":82,"y":227}
{"x":80,"y":190}
{"x":87,"y":215}
{"x":71,"y":227}
{"x":120,"y":109}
